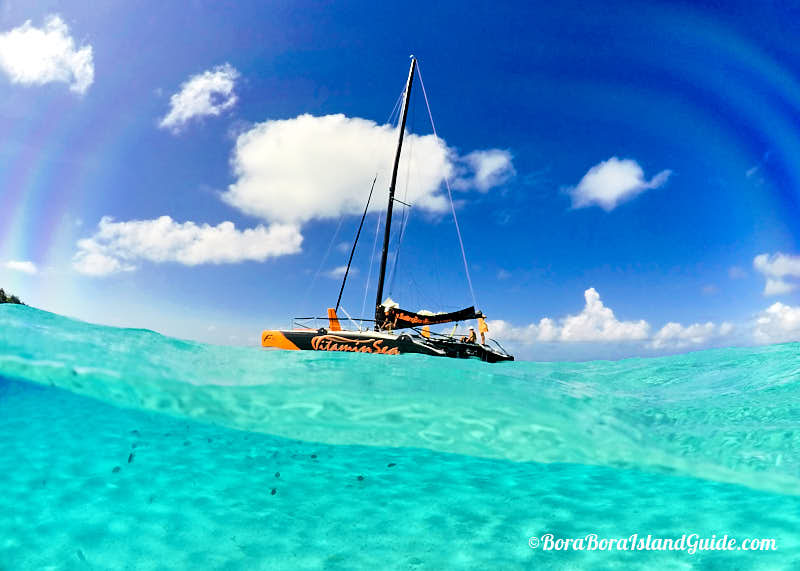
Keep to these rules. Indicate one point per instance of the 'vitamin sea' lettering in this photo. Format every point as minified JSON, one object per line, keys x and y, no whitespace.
{"x":336,"y":343}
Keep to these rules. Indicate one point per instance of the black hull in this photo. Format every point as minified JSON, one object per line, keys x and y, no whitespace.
{"x":462,"y":350}
{"x":378,"y":343}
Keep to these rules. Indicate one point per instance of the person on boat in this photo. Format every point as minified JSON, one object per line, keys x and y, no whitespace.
{"x":382,"y":320}
{"x":483,"y":328}
{"x":472,"y":337}
{"x":388,"y":322}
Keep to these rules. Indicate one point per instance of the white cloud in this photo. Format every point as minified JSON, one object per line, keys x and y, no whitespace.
{"x":503,"y":274}
{"x":596,"y":323}
{"x":611,"y":182}
{"x":547,"y":330}
{"x":92,"y":260}
{"x":777,"y":324}
{"x":310,"y":167}
{"x":118,"y":246}
{"x":35,"y":56}
{"x":736,"y":273}
{"x":25,"y":267}
{"x":204,"y":94}
{"x":776,"y":268}
{"x":338,"y":272}
{"x":505,"y":331}
{"x":777,"y":287}
{"x":489,"y":169}
{"x":676,"y":336}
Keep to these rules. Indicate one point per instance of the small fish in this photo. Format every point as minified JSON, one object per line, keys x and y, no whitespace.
{"x":360,"y":478}
{"x":116,"y":469}
{"x":277,"y":474}
{"x":80,"y":555}
{"x":391,"y":465}
{"x":274,"y":491}
{"x":130,"y":457}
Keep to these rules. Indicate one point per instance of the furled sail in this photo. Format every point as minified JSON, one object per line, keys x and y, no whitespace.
{"x":398,"y":318}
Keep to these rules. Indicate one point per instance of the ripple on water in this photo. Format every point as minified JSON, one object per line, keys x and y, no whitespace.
{"x":211,"y":503}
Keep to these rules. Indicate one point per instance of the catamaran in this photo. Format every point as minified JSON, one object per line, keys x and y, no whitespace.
{"x":393,"y":331}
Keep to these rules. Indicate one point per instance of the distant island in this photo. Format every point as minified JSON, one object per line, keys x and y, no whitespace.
{"x":9,"y":298}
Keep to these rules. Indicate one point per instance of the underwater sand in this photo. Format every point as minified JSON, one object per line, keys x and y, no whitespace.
{"x":123,"y":449}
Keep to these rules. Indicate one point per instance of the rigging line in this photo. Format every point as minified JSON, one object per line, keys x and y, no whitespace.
{"x":393,"y":116}
{"x":403,"y":223}
{"x":357,"y":326}
{"x":396,"y":106}
{"x":355,"y":242}
{"x":324,"y":259}
{"x":406,"y":209}
{"x":395,"y":111}
{"x":449,"y":193}
{"x":371,"y":261}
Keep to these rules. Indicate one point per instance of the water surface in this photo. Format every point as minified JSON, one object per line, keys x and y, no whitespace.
{"x":127,"y":449}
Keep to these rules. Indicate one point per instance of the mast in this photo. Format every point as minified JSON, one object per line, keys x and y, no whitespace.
{"x":384,"y":253}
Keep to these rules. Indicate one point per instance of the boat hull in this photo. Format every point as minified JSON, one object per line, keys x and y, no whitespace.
{"x":375,"y":343}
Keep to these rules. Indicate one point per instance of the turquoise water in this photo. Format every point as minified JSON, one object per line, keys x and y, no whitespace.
{"x":124,"y":449}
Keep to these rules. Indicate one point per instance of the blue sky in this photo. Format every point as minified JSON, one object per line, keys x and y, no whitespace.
{"x":625,"y":175}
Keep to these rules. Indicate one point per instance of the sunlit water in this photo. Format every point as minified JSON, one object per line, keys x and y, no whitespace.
{"x":124,"y":449}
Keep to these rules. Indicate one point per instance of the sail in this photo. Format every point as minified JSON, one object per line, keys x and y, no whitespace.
{"x":402,"y":318}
